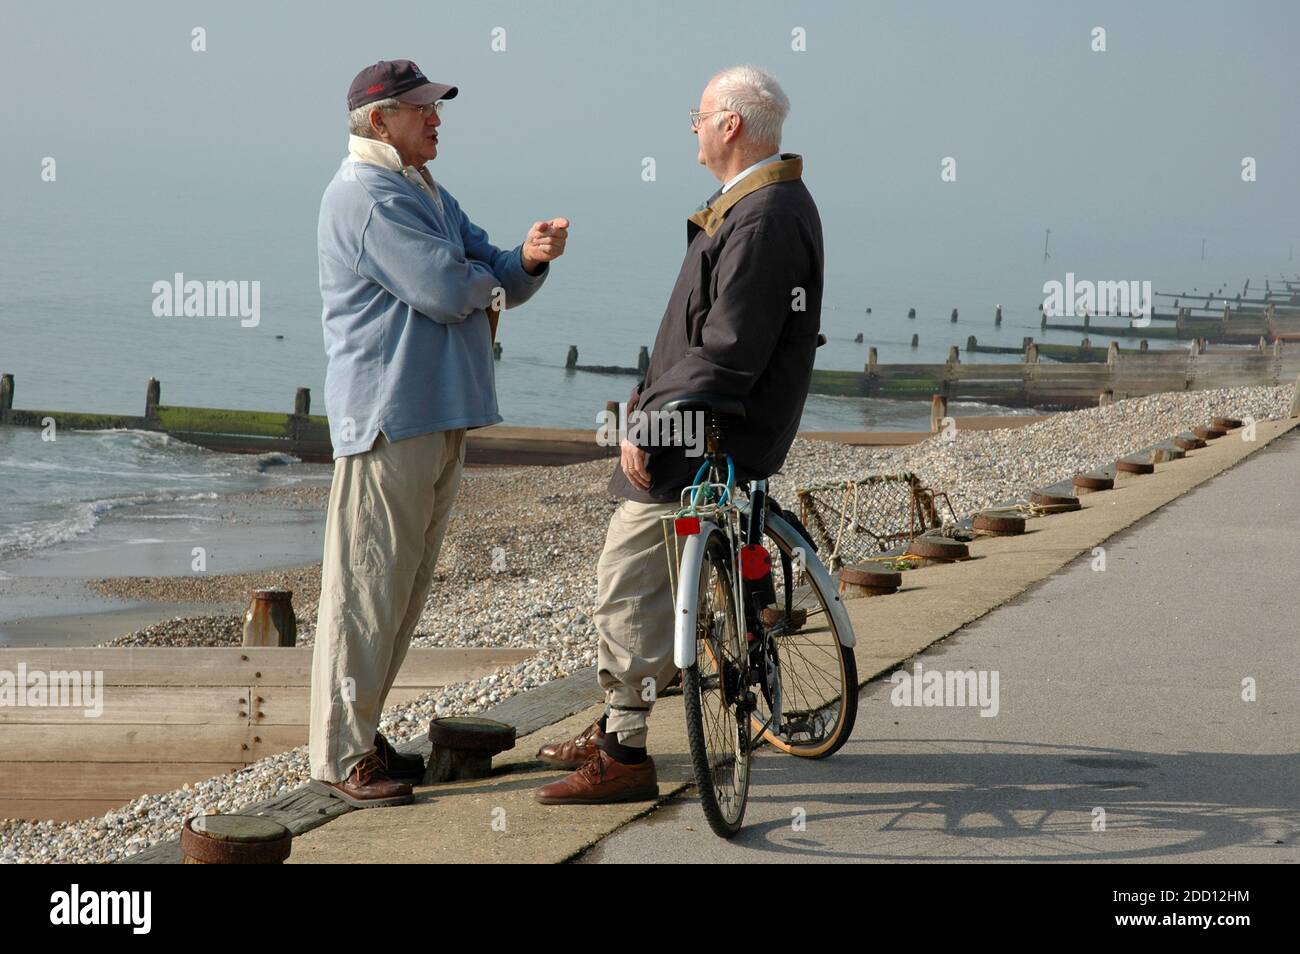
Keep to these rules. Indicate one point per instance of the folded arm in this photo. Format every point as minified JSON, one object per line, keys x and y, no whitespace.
{"x":420,"y":267}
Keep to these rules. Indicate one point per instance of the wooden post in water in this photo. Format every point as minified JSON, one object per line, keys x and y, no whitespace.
{"x":1277,"y":347}
{"x":1262,"y":346}
{"x":1025,"y":342}
{"x":916,"y":341}
{"x":1112,"y":353}
{"x":571,"y":359}
{"x":971,"y":344}
{"x":871,"y":361}
{"x":1031,"y":353}
{"x":1106,"y":398}
{"x":152,"y":398}
{"x":938,"y":411}
{"x":302,"y":402}
{"x":1295,"y":398}
{"x":997,"y":317}
{"x":6,"y":396}
{"x":953,"y":357}
{"x":954,"y":316}
{"x":1042,"y":325}
{"x":643,"y":359}
{"x":911,"y":313}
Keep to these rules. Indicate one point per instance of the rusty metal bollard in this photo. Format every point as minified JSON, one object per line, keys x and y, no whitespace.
{"x":234,"y":840}
{"x":270,"y":620}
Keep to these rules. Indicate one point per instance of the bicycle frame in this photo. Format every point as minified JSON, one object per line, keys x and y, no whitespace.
{"x":711,"y":522}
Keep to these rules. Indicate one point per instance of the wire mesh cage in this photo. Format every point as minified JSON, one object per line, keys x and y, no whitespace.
{"x":854,"y":520}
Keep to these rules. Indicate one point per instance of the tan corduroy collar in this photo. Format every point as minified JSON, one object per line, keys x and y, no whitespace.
{"x":710,"y":218}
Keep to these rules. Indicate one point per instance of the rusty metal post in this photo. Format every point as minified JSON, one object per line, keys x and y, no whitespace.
{"x":234,"y":839}
{"x":270,"y":619}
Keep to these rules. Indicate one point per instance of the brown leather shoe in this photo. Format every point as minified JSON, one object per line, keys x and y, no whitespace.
{"x":399,"y":767}
{"x":603,"y":781}
{"x":366,"y":786}
{"x":573,"y":753}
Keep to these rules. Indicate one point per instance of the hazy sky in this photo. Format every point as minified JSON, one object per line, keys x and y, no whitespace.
{"x":1131,"y":156}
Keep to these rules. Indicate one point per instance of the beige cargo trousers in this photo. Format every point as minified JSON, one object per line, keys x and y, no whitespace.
{"x":634,"y":617}
{"x":387,"y":515}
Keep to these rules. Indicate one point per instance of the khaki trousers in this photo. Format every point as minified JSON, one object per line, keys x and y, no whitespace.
{"x":634,"y":617}
{"x":388,"y":512}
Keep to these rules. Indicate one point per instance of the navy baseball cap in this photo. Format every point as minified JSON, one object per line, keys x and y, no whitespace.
{"x":396,"y":79}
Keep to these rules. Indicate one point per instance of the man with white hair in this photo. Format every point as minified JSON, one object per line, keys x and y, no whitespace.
{"x":407,"y":282}
{"x":742,"y":322}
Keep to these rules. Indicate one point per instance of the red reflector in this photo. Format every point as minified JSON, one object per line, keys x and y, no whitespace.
{"x":755,"y":561}
{"x":687,"y":526}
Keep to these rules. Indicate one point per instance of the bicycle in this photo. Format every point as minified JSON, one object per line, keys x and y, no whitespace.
{"x":787,"y":636}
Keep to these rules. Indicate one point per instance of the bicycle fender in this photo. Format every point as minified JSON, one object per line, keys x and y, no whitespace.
{"x":688,"y":590}
{"x":821,"y":577}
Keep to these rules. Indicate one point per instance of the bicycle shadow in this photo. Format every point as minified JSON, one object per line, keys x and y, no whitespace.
{"x":1032,"y":806}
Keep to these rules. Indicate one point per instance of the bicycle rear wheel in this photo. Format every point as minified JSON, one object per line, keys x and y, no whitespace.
{"x":715,"y":693}
{"x":818,"y":673}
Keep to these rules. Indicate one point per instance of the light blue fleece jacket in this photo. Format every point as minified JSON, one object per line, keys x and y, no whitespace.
{"x":405,"y":280}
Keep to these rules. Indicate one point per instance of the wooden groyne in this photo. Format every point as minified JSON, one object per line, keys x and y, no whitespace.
{"x":301,"y":433}
{"x":1032,"y":383}
{"x":1230,"y":326}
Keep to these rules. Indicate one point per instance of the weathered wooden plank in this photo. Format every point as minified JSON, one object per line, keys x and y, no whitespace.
{"x":98,"y":780}
{"x":57,"y":809}
{"x":146,"y":705}
{"x":238,"y":666}
{"x":290,"y":705}
{"x":96,"y":741}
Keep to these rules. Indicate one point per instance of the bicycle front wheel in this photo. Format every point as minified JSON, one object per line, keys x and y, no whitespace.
{"x":715,"y":693}
{"x":818,"y":673}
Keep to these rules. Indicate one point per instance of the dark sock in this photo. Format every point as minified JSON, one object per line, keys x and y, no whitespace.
{"x":624,"y":754}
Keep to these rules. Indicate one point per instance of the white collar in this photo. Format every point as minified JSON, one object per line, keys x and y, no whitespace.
{"x":375,"y":152}
{"x":744,"y":172}
{"x":379,"y":153}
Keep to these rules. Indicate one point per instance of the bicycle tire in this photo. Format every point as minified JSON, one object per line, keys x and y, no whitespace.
{"x":844,"y":658}
{"x":724,"y":814}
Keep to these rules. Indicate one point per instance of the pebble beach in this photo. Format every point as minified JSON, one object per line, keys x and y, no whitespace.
{"x":517,"y":569}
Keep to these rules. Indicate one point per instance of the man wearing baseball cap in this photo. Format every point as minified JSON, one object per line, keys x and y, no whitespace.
{"x":408,"y":282}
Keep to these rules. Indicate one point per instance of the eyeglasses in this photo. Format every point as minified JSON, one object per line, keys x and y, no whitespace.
{"x":697,"y":116}
{"x":427,"y":110}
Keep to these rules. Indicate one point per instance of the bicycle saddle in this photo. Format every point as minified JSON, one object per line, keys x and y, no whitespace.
{"x":719,"y":405}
